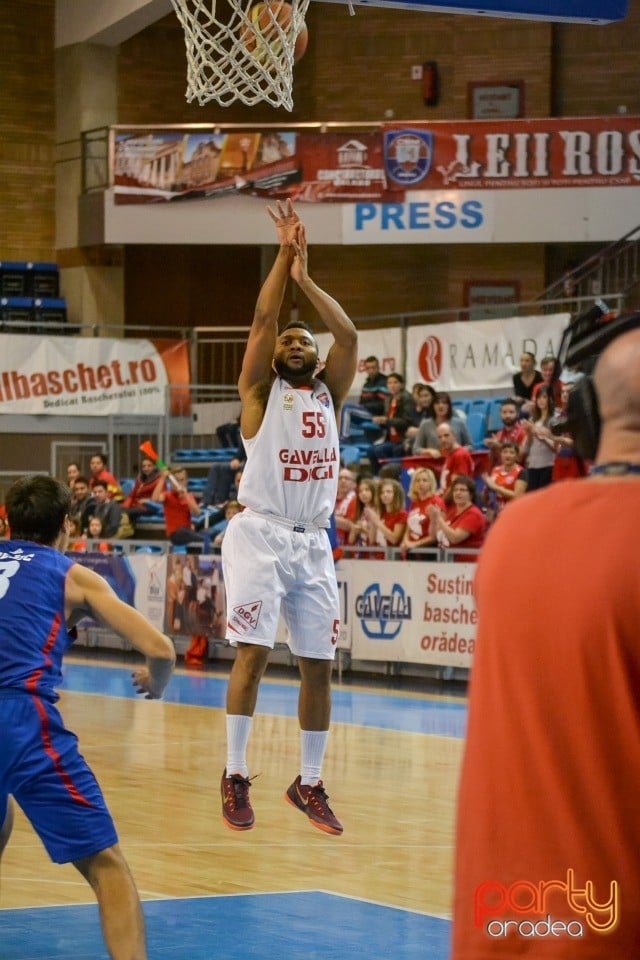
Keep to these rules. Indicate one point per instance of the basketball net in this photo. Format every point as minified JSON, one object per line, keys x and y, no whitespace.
{"x":239,"y":59}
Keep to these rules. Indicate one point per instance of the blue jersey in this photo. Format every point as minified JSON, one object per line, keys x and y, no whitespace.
{"x":33,"y":633}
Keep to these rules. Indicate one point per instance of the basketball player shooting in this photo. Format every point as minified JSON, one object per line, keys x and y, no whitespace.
{"x":276,"y":554}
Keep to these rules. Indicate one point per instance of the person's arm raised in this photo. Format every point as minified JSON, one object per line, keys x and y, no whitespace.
{"x":88,"y":594}
{"x":258,"y":356}
{"x":340,"y":366}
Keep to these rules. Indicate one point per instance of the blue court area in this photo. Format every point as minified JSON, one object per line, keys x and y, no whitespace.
{"x":270,"y":926}
{"x":409,"y":714}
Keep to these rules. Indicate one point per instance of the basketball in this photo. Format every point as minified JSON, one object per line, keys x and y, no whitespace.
{"x":264,"y":29}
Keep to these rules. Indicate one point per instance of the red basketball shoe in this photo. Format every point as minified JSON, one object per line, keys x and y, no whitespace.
{"x":314,"y":802}
{"x":236,"y":807}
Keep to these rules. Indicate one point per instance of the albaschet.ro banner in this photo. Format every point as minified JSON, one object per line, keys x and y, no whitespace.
{"x":548,"y":909}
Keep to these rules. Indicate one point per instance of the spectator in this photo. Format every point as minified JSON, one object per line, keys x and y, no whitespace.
{"x":394,"y":423}
{"x":95,"y":530}
{"x":178,"y":505}
{"x":526,"y":379}
{"x":511,"y":431}
{"x":374,"y":393}
{"x":506,"y":481}
{"x":137,"y":502}
{"x":98,"y":467}
{"x":547,"y":370}
{"x":423,"y":396}
{"x":426,"y":443}
{"x":223,"y":480}
{"x":463,"y":523}
{"x":77,"y":540}
{"x":228,"y":434}
{"x":392,"y":522}
{"x":458,"y":460}
{"x":73,"y":472}
{"x":82,"y":502}
{"x":539,"y":445}
{"x":230,"y":511}
{"x":345,"y":508}
{"x":422,"y":493}
{"x":566,"y":464}
{"x":363,"y":529}
{"x":107,"y":511}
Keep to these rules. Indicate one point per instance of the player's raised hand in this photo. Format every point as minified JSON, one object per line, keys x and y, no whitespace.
{"x":287,"y":222}
{"x":299,"y":267}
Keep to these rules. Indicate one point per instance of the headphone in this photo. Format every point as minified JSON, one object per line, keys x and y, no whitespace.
{"x":582,"y":343}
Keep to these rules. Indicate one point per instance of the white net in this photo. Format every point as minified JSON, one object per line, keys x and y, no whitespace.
{"x":245,"y":53}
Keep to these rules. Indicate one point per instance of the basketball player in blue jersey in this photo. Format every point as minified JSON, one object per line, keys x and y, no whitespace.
{"x":43,"y":594}
{"x":276,"y":554}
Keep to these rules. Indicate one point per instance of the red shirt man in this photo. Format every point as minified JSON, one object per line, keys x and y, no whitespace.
{"x":98,"y":466}
{"x":512,"y":431}
{"x":178,"y":505}
{"x":458,"y":459}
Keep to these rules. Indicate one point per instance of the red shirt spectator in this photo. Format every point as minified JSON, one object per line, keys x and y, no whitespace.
{"x":143,"y":488}
{"x":463,"y":524}
{"x":98,"y":466}
{"x":178,"y":505}
{"x":422,"y":493}
{"x":458,"y":459}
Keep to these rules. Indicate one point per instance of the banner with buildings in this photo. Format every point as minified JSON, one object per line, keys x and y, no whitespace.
{"x":355,"y":166}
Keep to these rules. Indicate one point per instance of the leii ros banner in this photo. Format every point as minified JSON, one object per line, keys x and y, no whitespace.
{"x":83,"y":376}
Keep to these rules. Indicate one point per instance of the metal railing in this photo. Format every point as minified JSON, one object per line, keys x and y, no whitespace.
{"x":614,"y":267}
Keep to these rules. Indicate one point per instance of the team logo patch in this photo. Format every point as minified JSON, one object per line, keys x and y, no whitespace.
{"x":246,"y":616}
{"x":408,"y":155}
{"x":324,"y":399}
{"x":288,"y":401}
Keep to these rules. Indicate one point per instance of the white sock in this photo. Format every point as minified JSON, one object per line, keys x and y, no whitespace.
{"x":238,"y":729}
{"x":312,"y":746}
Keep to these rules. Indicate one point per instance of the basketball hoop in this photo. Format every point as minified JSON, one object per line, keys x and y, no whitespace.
{"x":245,"y":58}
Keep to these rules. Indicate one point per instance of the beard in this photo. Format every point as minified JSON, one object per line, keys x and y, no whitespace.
{"x":295,"y":374}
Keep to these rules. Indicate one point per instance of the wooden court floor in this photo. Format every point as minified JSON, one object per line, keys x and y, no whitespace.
{"x":391,"y":772}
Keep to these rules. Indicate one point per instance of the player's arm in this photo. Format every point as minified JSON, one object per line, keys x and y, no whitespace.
{"x":88,"y":594}
{"x":258,"y":357}
{"x":340,"y":367}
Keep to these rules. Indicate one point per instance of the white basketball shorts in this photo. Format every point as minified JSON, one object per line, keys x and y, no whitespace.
{"x":270,"y":568}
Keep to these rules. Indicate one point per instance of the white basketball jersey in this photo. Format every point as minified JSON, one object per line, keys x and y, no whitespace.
{"x":292,"y":462}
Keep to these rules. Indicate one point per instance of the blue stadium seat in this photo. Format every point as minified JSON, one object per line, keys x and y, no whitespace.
{"x":197,"y":484}
{"x":460,"y":405}
{"x":202,"y":454}
{"x":126,"y":485}
{"x":349,"y":453}
{"x":479,"y":405}
{"x":477,"y":427}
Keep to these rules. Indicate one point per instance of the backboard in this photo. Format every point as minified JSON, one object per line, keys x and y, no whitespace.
{"x":563,"y":11}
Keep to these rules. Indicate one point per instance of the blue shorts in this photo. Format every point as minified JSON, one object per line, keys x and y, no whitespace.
{"x":41,"y":766}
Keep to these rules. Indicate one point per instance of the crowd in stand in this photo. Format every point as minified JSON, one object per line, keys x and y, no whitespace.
{"x":419,"y":485}
{"x":454,"y":490}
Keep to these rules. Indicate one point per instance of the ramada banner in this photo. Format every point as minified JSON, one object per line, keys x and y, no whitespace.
{"x":82,"y":376}
{"x":481,"y":355}
{"x":344,"y":166}
{"x":490,"y":154}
